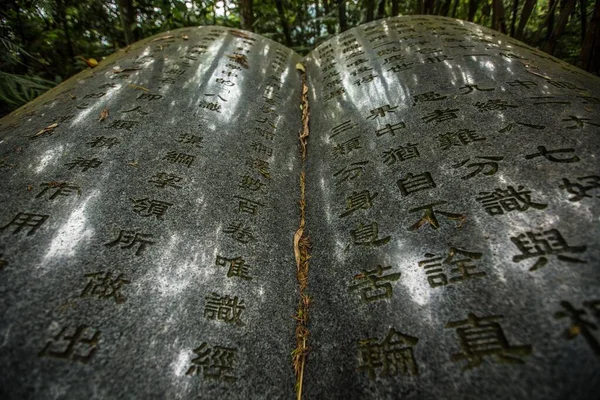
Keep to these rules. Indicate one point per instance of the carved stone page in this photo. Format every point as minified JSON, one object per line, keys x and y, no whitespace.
{"x":453,"y":194}
{"x":148,"y":211}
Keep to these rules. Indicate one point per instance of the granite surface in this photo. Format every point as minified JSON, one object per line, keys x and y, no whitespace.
{"x":148,"y":210}
{"x":453,"y":201}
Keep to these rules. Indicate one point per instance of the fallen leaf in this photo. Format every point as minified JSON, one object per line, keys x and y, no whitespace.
{"x":47,"y":129}
{"x":240,"y":34}
{"x":163,"y":38}
{"x":240,"y":59}
{"x":103,"y":114}
{"x":91,"y":62}
{"x":29,"y":187}
{"x":300,"y":67}
{"x":133,"y":163}
{"x":119,"y":70}
{"x":131,"y":85}
{"x":185,"y":37}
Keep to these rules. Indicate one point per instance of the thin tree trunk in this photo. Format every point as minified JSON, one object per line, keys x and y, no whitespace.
{"x":284,"y":23}
{"x":246,"y":15}
{"x":341,"y":5}
{"x":525,"y":14}
{"x":550,"y":20}
{"x":590,"y":51}
{"x":428,"y":6}
{"x":513,"y":21}
{"x":127,"y":18}
{"x":395,"y":7}
{"x":62,"y":20}
{"x":330,"y":28}
{"x":445,"y":8}
{"x":498,"y":21}
{"x":582,"y":6}
{"x":381,"y":9}
{"x":563,"y":18}
{"x":473,"y":5}
{"x":454,"y":8}
{"x":370,"y":10}
{"x":317,"y":22}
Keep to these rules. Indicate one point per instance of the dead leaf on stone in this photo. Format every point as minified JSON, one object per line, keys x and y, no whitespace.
{"x":163,"y":38}
{"x":29,"y":187}
{"x":103,"y":114}
{"x":47,"y":129}
{"x":240,"y":34}
{"x":91,"y":62}
{"x":185,"y":37}
{"x":131,"y":85}
{"x":120,"y":71}
{"x":133,"y":163}
{"x":240,"y":59}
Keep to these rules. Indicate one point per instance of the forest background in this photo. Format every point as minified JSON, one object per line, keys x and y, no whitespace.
{"x":46,"y":41}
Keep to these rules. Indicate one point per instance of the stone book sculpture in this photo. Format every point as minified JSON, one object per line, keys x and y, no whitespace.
{"x":410,"y":211}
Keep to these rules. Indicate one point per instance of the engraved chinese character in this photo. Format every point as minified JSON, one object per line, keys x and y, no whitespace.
{"x":239,"y":232}
{"x":193,"y":140}
{"x":351,"y":172}
{"x":75,"y":344}
{"x":25,"y":220}
{"x":392,"y":356}
{"x":210,"y":106}
{"x":579,"y":325}
{"x":347,"y":146}
{"x":381,"y":111}
{"x":102,"y":285}
{"x":441,"y":115}
{"x":84,"y":164}
{"x":344,"y":126}
{"x":481,"y":337}
{"x":428,"y":96}
{"x":492,"y":105}
{"x":548,"y":155}
{"x":471,"y":88}
{"x":216,"y":363}
{"x":506,"y":200}
{"x":580,"y":190}
{"x":401,"y":153}
{"x":391,"y":129}
{"x":430,"y":218}
{"x":237,"y":267}
{"x":250,"y":183}
{"x":358,"y":200}
{"x":163,"y":179}
{"x":579,"y":122}
{"x":129,"y":239}
{"x":463,"y":267}
{"x":373,"y":285}
{"x":461,"y":137}
{"x":123,"y":124}
{"x":479,"y":167}
{"x":542,"y":244}
{"x":149,"y":96}
{"x":224,"y":308}
{"x":414,"y":183}
{"x":60,"y":189}
{"x":524,"y":84}
{"x":368,"y":235}
{"x":101,"y":141}
{"x":261,"y":166}
{"x":147,"y":208}
{"x":262,"y":149}
{"x":247,"y":205}
{"x":179,"y":158}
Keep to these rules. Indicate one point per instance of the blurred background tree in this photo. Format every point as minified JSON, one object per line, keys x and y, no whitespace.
{"x":44,"y":42}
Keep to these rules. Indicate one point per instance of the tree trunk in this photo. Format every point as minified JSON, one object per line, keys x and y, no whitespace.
{"x":395,"y":7}
{"x":445,"y":8}
{"x":454,"y":8}
{"x":428,"y":6}
{"x":330,"y":28}
{"x":498,"y":21}
{"x":370,"y":10}
{"x":590,"y":51}
{"x":61,"y":14}
{"x":550,"y":20}
{"x":381,"y":9}
{"x":513,"y":21}
{"x":127,"y":18}
{"x":525,"y":14}
{"x":341,"y":4}
{"x":246,"y":15}
{"x":284,"y":23}
{"x":582,"y":6}
{"x":563,"y":18}
{"x":473,"y":5}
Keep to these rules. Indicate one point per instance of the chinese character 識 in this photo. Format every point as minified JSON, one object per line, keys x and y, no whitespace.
{"x":237,"y":267}
{"x":163,"y":179}
{"x":482,"y":336}
{"x":381,"y":111}
{"x":441,"y":115}
{"x":463,"y":266}
{"x":506,"y":200}
{"x":179,"y":158}
{"x":76,"y":344}
{"x":414,"y":183}
{"x":391,"y":129}
{"x":373,"y":285}
{"x":103,"y":285}
{"x":239,"y":232}
{"x":101,"y":141}
{"x":351,"y":172}
{"x":390,"y":357}
{"x":548,"y":155}
{"x":25,"y":220}
{"x":461,"y":137}
{"x":493,"y":104}
{"x":147,"y":208}
{"x":579,"y":190}
{"x":347,"y":146}
{"x":580,"y":325}
{"x":61,"y":189}
{"x":430,"y":218}
{"x":401,"y":153}
{"x":84,"y":164}
{"x":129,"y":239}
{"x":358,"y":200}
{"x":216,"y":363}
{"x":368,"y":235}
{"x":224,"y":308}
{"x":480,"y":166}
{"x":542,"y":244}
{"x":193,"y":140}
